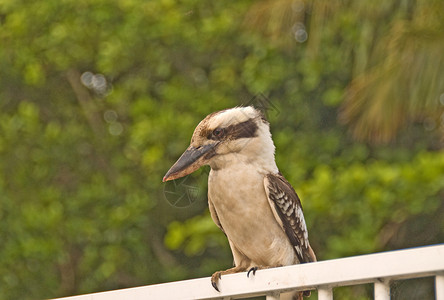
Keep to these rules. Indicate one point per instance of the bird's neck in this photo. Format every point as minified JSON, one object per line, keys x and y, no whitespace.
{"x":257,"y":153}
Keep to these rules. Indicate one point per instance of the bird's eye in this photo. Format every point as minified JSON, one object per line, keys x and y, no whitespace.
{"x":218,"y":133}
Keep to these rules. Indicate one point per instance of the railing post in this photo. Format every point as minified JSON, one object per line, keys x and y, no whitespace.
{"x":273,"y":296}
{"x":325,"y":293}
{"x":439,"y":286}
{"x":382,"y":290}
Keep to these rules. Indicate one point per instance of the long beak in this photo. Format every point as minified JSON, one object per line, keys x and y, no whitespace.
{"x":191,"y":160}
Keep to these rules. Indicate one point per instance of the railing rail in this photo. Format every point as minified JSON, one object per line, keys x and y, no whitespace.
{"x":378,"y":268}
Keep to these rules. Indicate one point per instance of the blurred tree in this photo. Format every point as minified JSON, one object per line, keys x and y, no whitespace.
{"x":98,"y":98}
{"x":401,"y":83}
{"x":396,"y":67}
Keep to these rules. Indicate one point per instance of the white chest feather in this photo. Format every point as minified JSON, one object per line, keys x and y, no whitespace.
{"x":238,"y":196}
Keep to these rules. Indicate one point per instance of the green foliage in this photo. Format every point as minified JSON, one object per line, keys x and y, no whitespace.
{"x":376,"y":199}
{"x":82,"y":205}
{"x":194,"y":235}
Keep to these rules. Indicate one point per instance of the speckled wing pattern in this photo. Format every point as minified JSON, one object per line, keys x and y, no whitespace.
{"x":287,"y":209}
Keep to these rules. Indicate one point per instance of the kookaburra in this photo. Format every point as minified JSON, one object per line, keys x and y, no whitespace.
{"x":249,"y":199}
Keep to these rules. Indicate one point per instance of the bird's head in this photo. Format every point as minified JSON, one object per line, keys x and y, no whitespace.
{"x":236,"y":135}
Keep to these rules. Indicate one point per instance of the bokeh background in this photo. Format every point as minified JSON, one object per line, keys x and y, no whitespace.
{"x":99,"y":98}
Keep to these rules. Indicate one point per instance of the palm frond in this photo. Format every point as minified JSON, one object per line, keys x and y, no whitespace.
{"x":406,"y":84}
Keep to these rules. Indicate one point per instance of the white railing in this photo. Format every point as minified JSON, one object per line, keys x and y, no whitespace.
{"x":379,"y":269}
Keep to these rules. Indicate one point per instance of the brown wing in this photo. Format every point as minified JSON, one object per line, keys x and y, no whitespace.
{"x":287,"y":210}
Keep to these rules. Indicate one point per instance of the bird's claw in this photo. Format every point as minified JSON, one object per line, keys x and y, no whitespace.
{"x":253,"y":269}
{"x":214,"y":284}
{"x":214,"y":279}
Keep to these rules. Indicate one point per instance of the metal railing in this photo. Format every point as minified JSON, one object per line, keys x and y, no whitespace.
{"x":379,"y":269}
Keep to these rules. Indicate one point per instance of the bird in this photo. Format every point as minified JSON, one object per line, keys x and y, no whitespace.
{"x":248,"y":198}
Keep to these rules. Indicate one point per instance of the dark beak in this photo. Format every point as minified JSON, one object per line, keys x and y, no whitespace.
{"x":191,"y":160}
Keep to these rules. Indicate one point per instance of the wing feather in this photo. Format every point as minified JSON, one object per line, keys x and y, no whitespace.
{"x":287,"y":209}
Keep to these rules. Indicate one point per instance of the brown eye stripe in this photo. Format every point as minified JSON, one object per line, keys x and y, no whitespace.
{"x":245,"y":129}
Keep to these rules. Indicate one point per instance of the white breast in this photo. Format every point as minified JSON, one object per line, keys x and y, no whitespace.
{"x":238,"y":195}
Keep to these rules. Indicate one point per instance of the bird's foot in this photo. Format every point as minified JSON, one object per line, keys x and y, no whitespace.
{"x":215,"y":279}
{"x":253,"y":269}
{"x":218,"y":275}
